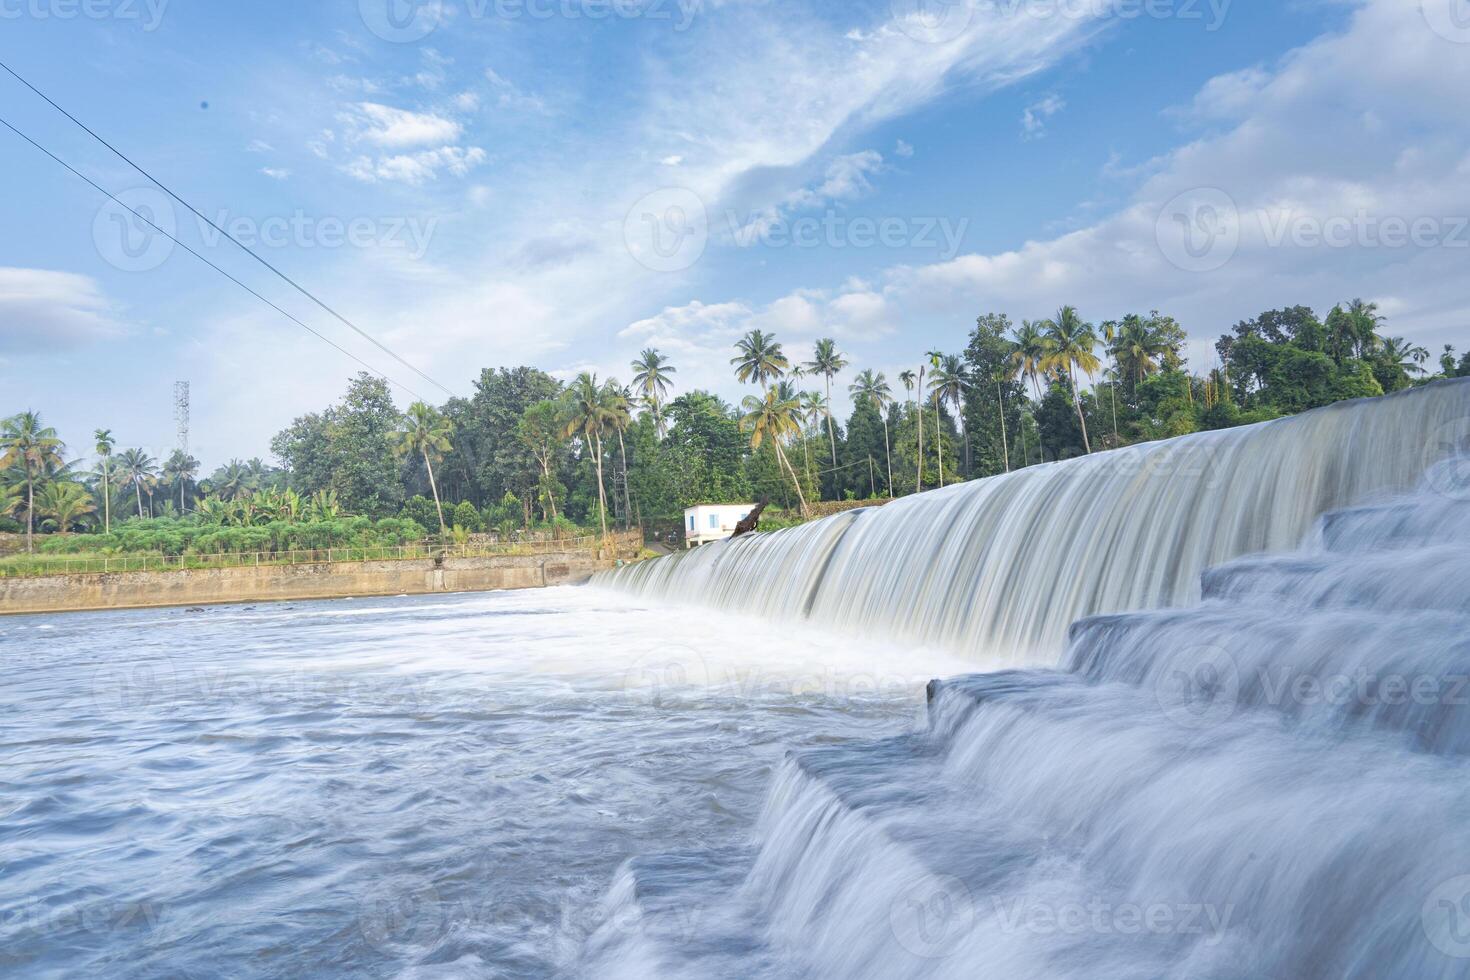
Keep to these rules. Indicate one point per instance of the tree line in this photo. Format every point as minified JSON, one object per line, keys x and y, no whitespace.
{"x":528,"y":451}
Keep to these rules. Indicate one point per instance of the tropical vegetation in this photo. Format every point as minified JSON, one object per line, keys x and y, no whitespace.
{"x":527,"y":452}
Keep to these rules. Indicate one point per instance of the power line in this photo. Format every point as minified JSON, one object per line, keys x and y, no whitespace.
{"x":241,"y":245}
{"x":4,"y":122}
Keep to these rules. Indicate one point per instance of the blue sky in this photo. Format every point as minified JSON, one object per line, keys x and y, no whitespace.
{"x":562,"y":182}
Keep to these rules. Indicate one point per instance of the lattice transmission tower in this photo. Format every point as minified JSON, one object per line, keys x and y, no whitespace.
{"x":181,"y":414}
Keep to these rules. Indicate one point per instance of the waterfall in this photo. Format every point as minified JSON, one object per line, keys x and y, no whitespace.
{"x":997,"y":569}
{"x":1270,"y":783}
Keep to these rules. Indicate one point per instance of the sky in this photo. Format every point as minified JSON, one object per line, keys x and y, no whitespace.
{"x":486,"y":183}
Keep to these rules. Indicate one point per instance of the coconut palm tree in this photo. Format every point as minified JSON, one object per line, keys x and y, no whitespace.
{"x":828,"y":362}
{"x":949,"y":381}
{"x":912,"y":381}
{"x":774,"y":417}
{"x":426,"y":433}
{"x":651,"y":377}
{"x":30,"y":446}
{"x":587,"y":415}
{"x":935,"y":357}
{"x":811,"y":406}
{"x":1401,"y":354}
{"x":233,"y":481}
{"x":104,"y":444}
{"x":12,"y":498}
{"x":619,"y":418}
{"x":179,"y":469}
{"x":1071,"y":341}
{"x":63,"y":506}
{"x":759,"y":359}
{"x":1365,"y":319}
{"x":873,"y":389}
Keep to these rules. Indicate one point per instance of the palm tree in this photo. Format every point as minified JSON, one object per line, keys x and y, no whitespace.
{"x":760,"y":359}
{"x":935,"y":357}
{"x":63,"y":505}
{"x":138,"y":469}
{"x":11,"y":499}
{"x":1071,"y":341}
{"x":811,"y":407}
{"x":105,"y":443}
{"x":912,"y":381}
{"x":651,"y":377}
{"x":873,"y":389}
{"x":233,"y":481}
{"x":587,"y":418}
{"x":828,"y":362}
{"x":1365,"y":319}
{"x":619,"y":418}
{"x":774,"y":417}
{"x":949,"y":382}
{"x":31,"y":446}
{"x":1028,"y":359}
{"x":180,"y":469}
{"x":424,"y":432}
{"x":1403,"y":355}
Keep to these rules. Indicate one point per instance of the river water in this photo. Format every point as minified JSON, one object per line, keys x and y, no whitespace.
{"x":417,"y":787}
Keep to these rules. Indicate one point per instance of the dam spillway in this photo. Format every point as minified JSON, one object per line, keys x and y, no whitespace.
{"x":998,"y":569}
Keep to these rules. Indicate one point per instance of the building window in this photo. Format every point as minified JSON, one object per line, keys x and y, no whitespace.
{"x":691,"y":522}
{"x":714,"y":522}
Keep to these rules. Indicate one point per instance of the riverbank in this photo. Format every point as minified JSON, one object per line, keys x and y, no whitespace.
{"x":317,"y":580}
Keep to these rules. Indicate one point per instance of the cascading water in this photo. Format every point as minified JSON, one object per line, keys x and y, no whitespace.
{"x":997,"y":569}
{"x":1269,"y":784}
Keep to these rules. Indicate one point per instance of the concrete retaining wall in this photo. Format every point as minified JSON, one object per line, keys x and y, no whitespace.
{"x":265,"y":583}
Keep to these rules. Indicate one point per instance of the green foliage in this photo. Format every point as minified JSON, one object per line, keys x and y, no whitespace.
{"x":421,"y":510}
{"x":189,"y":536}
{"x":467,"y":517}
{"x":348,"y":449}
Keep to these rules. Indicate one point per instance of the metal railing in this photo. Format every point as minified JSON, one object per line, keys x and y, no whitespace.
{"x":29,"y":566}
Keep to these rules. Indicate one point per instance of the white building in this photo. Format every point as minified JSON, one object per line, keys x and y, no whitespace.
{"x":712,"y":522}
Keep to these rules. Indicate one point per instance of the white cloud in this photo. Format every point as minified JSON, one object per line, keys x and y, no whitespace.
{"x":44,"y":310}
{"x":417,"y":168}
{"x":508,"y":96}
{"x":1353,"y":135}
{"x":276,"y":173}
{"x":386,"y":126}
{"x":902,"y":149}
{"x":1034,"y":117}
